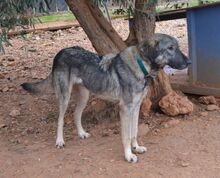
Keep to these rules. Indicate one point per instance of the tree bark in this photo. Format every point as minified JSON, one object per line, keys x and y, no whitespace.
{"x":103,"y":36}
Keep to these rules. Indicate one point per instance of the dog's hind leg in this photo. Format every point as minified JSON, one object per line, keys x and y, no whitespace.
{"x":82,"y":99}
{"x":126,"y":113}
{"x":63,"y":88}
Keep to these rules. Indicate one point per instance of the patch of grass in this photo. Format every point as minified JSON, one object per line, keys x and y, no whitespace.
{"x":55,"y":17}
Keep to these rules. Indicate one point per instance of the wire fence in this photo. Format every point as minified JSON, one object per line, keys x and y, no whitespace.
{"x":57,"y":6}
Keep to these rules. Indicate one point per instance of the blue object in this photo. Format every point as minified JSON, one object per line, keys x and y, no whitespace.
{"x":204,"y":45}
{"x":142,"y":67}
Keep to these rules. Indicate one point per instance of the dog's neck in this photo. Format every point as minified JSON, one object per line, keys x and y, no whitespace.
{"x":134,"y":60}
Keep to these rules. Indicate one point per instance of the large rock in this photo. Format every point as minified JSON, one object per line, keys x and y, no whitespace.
{"x":173,"y":104}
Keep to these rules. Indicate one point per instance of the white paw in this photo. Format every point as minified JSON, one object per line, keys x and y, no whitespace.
{"x":84,"y":135}
{"x":60,"y":143}
{"x":131,"y":158}
{"x":139,"y":149}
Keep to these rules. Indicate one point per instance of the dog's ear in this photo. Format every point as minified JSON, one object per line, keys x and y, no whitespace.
{"x":149,"y":48}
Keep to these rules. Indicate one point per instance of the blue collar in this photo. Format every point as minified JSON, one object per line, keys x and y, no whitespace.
{"x":141,"y":65}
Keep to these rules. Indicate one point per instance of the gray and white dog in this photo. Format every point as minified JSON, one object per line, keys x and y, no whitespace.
{"x":116,"y":77}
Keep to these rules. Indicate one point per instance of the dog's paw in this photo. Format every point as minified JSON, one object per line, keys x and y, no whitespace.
{"x":131,"y":158}
{"x":60,"y":143}
{"x":139,"y":149}
{"x":84,"y":135}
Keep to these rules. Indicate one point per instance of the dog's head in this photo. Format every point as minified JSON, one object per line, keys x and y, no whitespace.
{"x":163,"y":50}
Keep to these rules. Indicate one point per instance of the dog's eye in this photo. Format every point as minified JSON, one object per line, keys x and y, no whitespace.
{"x":171,"y":48}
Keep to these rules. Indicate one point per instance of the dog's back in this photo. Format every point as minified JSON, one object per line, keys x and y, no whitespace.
{"x":65,"y":60}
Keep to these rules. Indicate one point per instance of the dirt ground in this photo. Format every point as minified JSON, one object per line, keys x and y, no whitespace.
{"x":184,"y":146}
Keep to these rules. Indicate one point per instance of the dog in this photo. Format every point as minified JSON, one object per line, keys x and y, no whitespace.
{"x":118,"y":77}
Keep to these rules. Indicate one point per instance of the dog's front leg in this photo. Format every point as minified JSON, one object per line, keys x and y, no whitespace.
{"x":135,"y":146}
{"x":126,"y":113}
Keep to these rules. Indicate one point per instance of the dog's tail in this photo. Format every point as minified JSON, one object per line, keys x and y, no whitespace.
{"x":42,"y":86}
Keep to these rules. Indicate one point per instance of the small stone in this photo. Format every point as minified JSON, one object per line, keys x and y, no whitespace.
{"x":12,"y":89}
{"x":37,"y":38}
{"x":105,"y":134}
{"x":212,"y":107}
{"x":22,"y":102}
{"x":203,"y":114}
{"x":184,"y":164}
{"x":9,"y":58}
{"x":207,"y":100}
{"x":2,"y":76}
{"x":15,"y":113}
{"x":3,"y":126}
{"x":171,"y":123}
{"x":157,"y":131}
{"x":5,"y":89}
{"x":32,"y":50}
{"x":11,"y":64}
{"x":116,"y":132}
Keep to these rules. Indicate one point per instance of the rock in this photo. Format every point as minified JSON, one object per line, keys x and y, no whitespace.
{"x":184,"y":164}
{"x":173,"y":104}
{"x":2,"y":76}
{"x":212,"y":107}
{"x":3,"y":126}
{"x":207,"y":100}
{"x":37,"y":37}
{"x":145,"y":107}
{"x":11,"y":64}
{"x":12,"y":89}
{"x":60,"y":33}
{"x":32,"y":50}
{"x":105,"y":134}
{"x":9,"y":58}
{"x":171,"y":123}
{"x":5,"y":89}
{"x":203,"y":114}
{"x":15,"y":113}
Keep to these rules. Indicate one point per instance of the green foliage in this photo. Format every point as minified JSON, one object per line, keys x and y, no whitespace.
{"x":55,"y":17}
{"x":15,"y":13}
